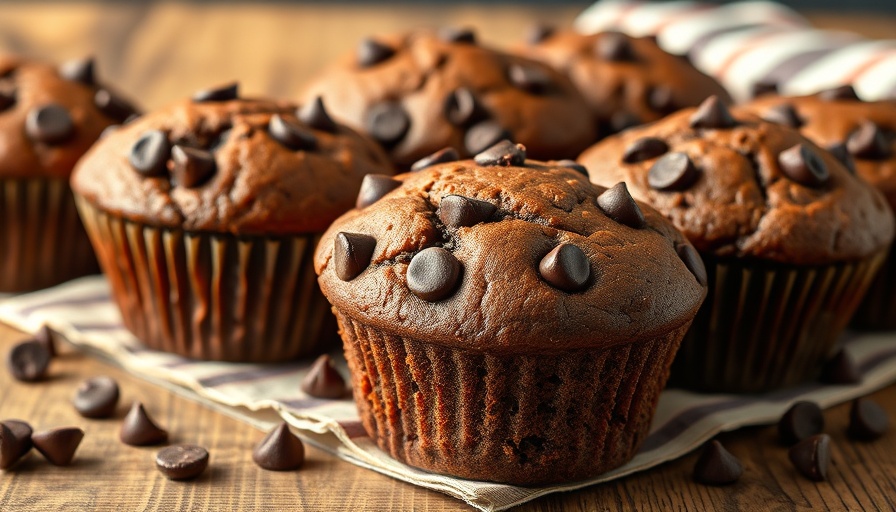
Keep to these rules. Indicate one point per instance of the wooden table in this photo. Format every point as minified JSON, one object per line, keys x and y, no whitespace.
{"x":161,"y":52}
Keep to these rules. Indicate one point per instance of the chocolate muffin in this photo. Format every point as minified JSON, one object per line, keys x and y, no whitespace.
{"x":627,"y":81}
{"x":418,"y":92}
{"x":49,"y":116}
{"x":863,"y":135}
{"x":791,"y":239}
{"x":506,"y":320}
{"x":205,"y":215}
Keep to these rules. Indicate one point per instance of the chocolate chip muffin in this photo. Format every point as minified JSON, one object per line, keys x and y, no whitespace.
{"x":506,"y":320}
{"x":416,"y":93}
{"x":627,"y":81}
{"x":791,"y":239}
{"x":862,"y":135}
{"x":205,"y":215}
{"x":49,"y":116}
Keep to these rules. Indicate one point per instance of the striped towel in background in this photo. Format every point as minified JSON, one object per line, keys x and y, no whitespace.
{"x":748,"y":43}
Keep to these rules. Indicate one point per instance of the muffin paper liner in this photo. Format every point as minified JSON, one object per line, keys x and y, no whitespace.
{"x":42,"y":241}
{"x":520,"y":419}
{"x":877,"y":311}
{"x":768,"y":326}
{"x":213,"y":296}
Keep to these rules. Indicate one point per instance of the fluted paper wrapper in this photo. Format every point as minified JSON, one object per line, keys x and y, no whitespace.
{"x":42,"y":241}
{"x":213,"y":296}
{"x":522,"y":419}
{"x":765,"y":327}
{"x":877,"y":311}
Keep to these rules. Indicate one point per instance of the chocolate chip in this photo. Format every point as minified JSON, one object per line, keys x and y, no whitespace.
{"x":323,"y":380}
{"x":192,"y":166}
{"x":351,"y":254}
{"x":79,"y":70}
{"x":504,"y":153}
{"x":291,"y":134}
{"x":457,"y":35}
{"x":138,"y":429}
{"x":618,"y":204}
{"x":838,"y":149}
{"x":840,"y":369}
{"x":717,"y":466}
{"x":783,"y":114}
{"x":572,"y":164}
{"x":803,"y":419}
{"x":28,"y":361}
{"x":7,"y":99}
{"x":150,"y":153}
{"x":223,"y":93}
{"x":374,"y":187}
{"x":867,"y":420}
{"x":315,"y":115}
{"x":803,"y":166}
{"x":15,"y":442}
{"x":843,"y":92}
{"x":483,"y":135}
{"x":58,"y":445}
{"x":615,"y":46}
{"x":693,"y":262}
{"x":47,"y":338}
{"x":644,"y":148}
{"x":441,"y":156}
{"x":113,"y":106}
{"x":868,"y":141}
{"x":371,"y":53}
{"x":812,"y":456}
{"x":462,"y":108}
{"x":566,"y":267}
{"x":673,"y":171}
{"x":458,"y":211}
{"x":388,"y":123}
{"x":712,"y":114}
{"x":529,"y":78}
{"x":662,"y":99}
{"x":50,"y":124}
{"x":622,"y":120}
{"x":539,"y":33}
{"x":182,"y":461}
{"x":433,"y":274}
{"x":96,"y":397}
{"x":763,"y":88}
{"x":280,"y":450}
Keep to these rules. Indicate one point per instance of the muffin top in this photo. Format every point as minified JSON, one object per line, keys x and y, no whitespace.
{"x":746,"y":188}
{"x":627,"y":81}
{"x":222,"y":164}
{"x":418,"y":92}
{"x":49,"y":116}
{"x":508,"y":255}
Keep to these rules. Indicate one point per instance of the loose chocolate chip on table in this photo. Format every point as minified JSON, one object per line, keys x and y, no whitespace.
{"x":614,"y":46}
{"x":812,"y":456}
{"x":28,"y":361}
{"x":351,"y":254}
{"x":868,"y":141}
{"x":323,"y":380}
{"x":291,"y":134}
{"x":137,"y":429}
{"x":280,"y":450}
{"x":441,"y":156}
{"x":572,"y":164}
{"x":462,"y":108}
{"x":712,"y":114}
{"x":315,"y":115}
{"x":717,"y":466}
{"x":58,"y":445}
{"x":566,"y":267}
{"x":673,"y":171}
{"x":804,"y":419}
{"x":457,"y":35}
{"x":50,"y":124}
{"x":618,"y":204}
{"x":374,"y":187}
{"x":644,"y":148}
{"x":661,"y":99}
{"x":693,"y":262}
{"x":79,"y":70}
{"x":433,"y":274}
{"x":840,"y":369}
{"x":15,"y":442}
{"x":529,"y":78}
{"x":504,"y":153}
{"x":192,"y":166}
{"x":838,"y":149}
{"x":762,"y":88}
{"x":784,"y":114}
{"x":371,"y":53}
{"x":112,"y":106}
{"x":225,"y":92}
{"x":539,"y":33}
{"x":803,"y":166}
{"x":843,"y":92}
{"x":96,"y":397}
{"x":150,"y":153}
{"x":388,"y":123}
{"x":182,"y":461}
{"x":45,"y":335}
{"x":483,"y":135}
{"x":867,"y":420}
{"x":458,"y":211}
{"x":21,"y":432}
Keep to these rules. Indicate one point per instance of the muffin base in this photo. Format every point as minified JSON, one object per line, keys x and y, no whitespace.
{"x":877,"y":311}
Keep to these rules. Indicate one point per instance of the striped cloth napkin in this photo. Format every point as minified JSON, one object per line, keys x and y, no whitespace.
{"x":83,"y":312}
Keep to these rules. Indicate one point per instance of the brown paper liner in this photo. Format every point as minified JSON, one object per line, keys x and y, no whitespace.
{"x":213,"y":296}
{"x":42,"y":241}
{"x":768,"y":326}
{"x":523,"y":419}
{"x":877,"y":311}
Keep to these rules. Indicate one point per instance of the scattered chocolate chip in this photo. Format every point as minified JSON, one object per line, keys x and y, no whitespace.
{"x":783,"y":114}
{"x":717,"y":466}
{"x":15,"y":442}
{"x":843,"y":92}
{"x":622,"y":120}
{"x":840,"y":369}
{"x":433,"y":274}
{"x":458,"y":211}
{"x":371,"y":53}
{"x":763,"y":88}
{"x":457,"y":35}
{"x":868,"y":141}
{"x":803,"y":419}
{"x":28,"y":361}
{"x":280,"y":450}
{"x":291,"y":134}
{"x":223,"y":93}
{"x":315,"y":115}
{"x":615,"y":46}
{"x":644,"y":148}
{"x":712,"y":114}
{"x":182,"y":461}
{"x":46,"y":337}
{"x":96,"y":397}
{"x":539,"y":33}
{"x":441,"y":156}
{"x":138,"y":429}
{"x":50,"y":124}
{"x":351,"y":254}
{"x":149,"y":154}
{"x":662,"y":99}
{"x":504,"y":153}
{"x":374,"y":187}
{"x":867,"y":420}
{"x":838,"y":149}
{"x":803,"y":166}
{"x":529,"y":78}
{"x":812,"y":456}
{"x":572,"y":164}
{"x":618,"y":204}
{"x":7,"y":99}
{"x":58,"y":445}
{"x":483,"y":135}
{"x":566,"y":267}
{"x":192,"y":166}
{"x":113,"y":106}
{"x":462,"y":108}
{"x":672,"y":171}
{"x":693,"y":262}
{"x":323,"y":380}
{"x":79,"y":70}
{"x":388,"y":123}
